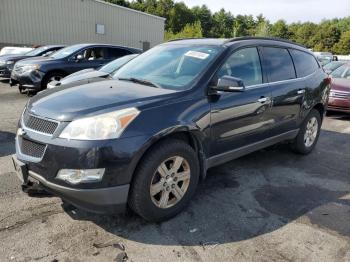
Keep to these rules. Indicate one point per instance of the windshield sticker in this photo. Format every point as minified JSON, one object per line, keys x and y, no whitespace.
{"x":197,"y":54}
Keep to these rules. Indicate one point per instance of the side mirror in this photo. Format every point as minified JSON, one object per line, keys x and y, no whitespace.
{"x":79,"y":58}
{"x":229,"y":84}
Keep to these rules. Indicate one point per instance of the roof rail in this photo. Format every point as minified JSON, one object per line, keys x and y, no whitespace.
{"x":179,"y":39}
{"x":262,"y":38}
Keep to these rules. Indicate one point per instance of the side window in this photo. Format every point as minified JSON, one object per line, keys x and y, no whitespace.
{"x":243,"y":64}
{"x":278,"y":63}
{"x":90,"y":54}
{"x":305,"y":64}
{"x":117,"y":52}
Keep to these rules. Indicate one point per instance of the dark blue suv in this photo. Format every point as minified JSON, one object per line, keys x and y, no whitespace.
{"x":147,"y":138}
{"x":36,"y":73}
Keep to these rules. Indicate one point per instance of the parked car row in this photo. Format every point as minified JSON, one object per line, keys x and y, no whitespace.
{"x":37,"y":68}
{"x":147,"y":137}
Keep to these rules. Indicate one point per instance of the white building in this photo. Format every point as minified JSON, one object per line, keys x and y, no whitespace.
{"x":41,"y":22}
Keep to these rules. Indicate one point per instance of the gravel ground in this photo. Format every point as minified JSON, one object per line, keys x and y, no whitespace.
{"x":271,"y":205}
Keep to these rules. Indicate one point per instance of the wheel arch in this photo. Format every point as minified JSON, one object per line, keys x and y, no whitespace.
{"x":191,"y":137}
{"x":321,"y":109}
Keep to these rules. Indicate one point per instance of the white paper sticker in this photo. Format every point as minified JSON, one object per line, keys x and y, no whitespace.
{"x":197,"y":54}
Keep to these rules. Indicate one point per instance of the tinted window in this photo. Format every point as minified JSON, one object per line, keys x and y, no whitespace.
{"x":305,"y":64}
{"x":117,"y":52}
{"x":90,"y":54}
{"x":278,"y":64}
{"x":243,"y":64}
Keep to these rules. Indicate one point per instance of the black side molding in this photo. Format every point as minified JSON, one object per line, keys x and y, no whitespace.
{"x":238,"y":152}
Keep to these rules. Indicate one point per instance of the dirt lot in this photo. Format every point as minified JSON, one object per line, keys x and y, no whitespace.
{"x":271,"y":205}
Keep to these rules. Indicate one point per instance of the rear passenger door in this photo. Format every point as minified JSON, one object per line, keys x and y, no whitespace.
{"x":287,"y":91}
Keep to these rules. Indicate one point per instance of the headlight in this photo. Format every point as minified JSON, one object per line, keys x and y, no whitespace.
{"x":100,"y":127}
{"x":27,"y":68}
{"x":10,"y":62}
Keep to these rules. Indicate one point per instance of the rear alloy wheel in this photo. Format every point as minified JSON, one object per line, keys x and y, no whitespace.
{"x":308,"y":133}
{"x":165,"y":180}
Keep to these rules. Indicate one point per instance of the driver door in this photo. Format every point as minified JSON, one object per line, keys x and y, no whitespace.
{"x":242,"y":118}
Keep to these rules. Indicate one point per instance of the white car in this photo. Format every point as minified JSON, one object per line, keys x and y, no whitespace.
{"x":14,"y":50}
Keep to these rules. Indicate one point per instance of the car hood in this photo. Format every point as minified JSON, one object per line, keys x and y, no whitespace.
{"x":82,"y":75}
{"x":340,"y":84}
{"x":36,"y":60}
{"x":12,"y":57}
{"x":66,"y":104}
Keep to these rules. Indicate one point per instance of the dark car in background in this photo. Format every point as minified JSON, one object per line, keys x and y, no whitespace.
{"x":148,"y":137}
{"x":92,"y":75}
{"x":339,"y":97}
{"x":7,"y":62}
{"x":36,"y":73}
{"x":330,"y":67}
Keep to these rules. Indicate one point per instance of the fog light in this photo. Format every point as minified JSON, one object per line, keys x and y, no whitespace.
{"x":76,"y":176}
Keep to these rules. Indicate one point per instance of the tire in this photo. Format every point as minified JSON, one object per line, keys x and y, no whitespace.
{"x":48,"y":78}
{"x":21,"y":89}
{"x":151,"y":208}
{"x":301,"y":144}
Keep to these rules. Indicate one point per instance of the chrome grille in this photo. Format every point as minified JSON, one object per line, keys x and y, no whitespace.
{"x":32,"y":149}
{"x":39,"y":124}
{"x":338,"y":94}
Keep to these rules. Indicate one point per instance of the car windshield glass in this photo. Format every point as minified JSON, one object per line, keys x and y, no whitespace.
{"x":67,"y":51}
{"x":169,"y":66}
{"x":324,"y":59}
{"x":333,"y":65}
{"x":37,"y":51}
{"x":339,"y":72}
{"x":116,"y":64}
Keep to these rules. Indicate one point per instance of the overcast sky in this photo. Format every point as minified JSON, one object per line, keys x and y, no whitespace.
{"x":289,"y":10}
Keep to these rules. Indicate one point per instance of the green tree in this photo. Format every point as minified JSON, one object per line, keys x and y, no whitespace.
{"x":190,"y":31}
{"x":343,"y":46}
{"x":280,"y":30}
{"x":222,"y":24}
{"x":325,"y":38}
{"x":203,"y":14}
{"x":179,"y":16}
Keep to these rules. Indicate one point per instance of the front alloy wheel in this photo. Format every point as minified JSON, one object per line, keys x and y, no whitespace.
{"x":170,"y":182}
{"x":165,"y":180}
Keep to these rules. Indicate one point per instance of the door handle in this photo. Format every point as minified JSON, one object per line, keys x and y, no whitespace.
{"x":301,"y":91}
{"x":262,"y":100}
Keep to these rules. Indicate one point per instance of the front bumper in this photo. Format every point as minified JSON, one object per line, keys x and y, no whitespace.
{"x":5,"y":72}
{"x":118,"y":157}
{"x":339,"y":104}
{"x":29,"y":80}
{"x":100,"y":200}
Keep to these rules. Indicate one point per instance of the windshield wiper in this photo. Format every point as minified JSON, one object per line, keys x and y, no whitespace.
{"x":140,"y":81}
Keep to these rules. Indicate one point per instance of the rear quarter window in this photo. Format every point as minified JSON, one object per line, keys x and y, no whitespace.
{"x":305,"y":64}
{"x":117,"y":52}
{"x":278,"y":64}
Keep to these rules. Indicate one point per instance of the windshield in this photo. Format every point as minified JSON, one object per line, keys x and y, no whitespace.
{"x":333,"y":65}
{"x":67,"y":51}
{"x":170,"y":66}
{"x":325,"y":59}
{"x":340,"y":71}
{"x":116,"y":64}
{"x":37,"y":51}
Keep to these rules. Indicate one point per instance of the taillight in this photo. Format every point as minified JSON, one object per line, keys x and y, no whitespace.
{"x":328,"y":80}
